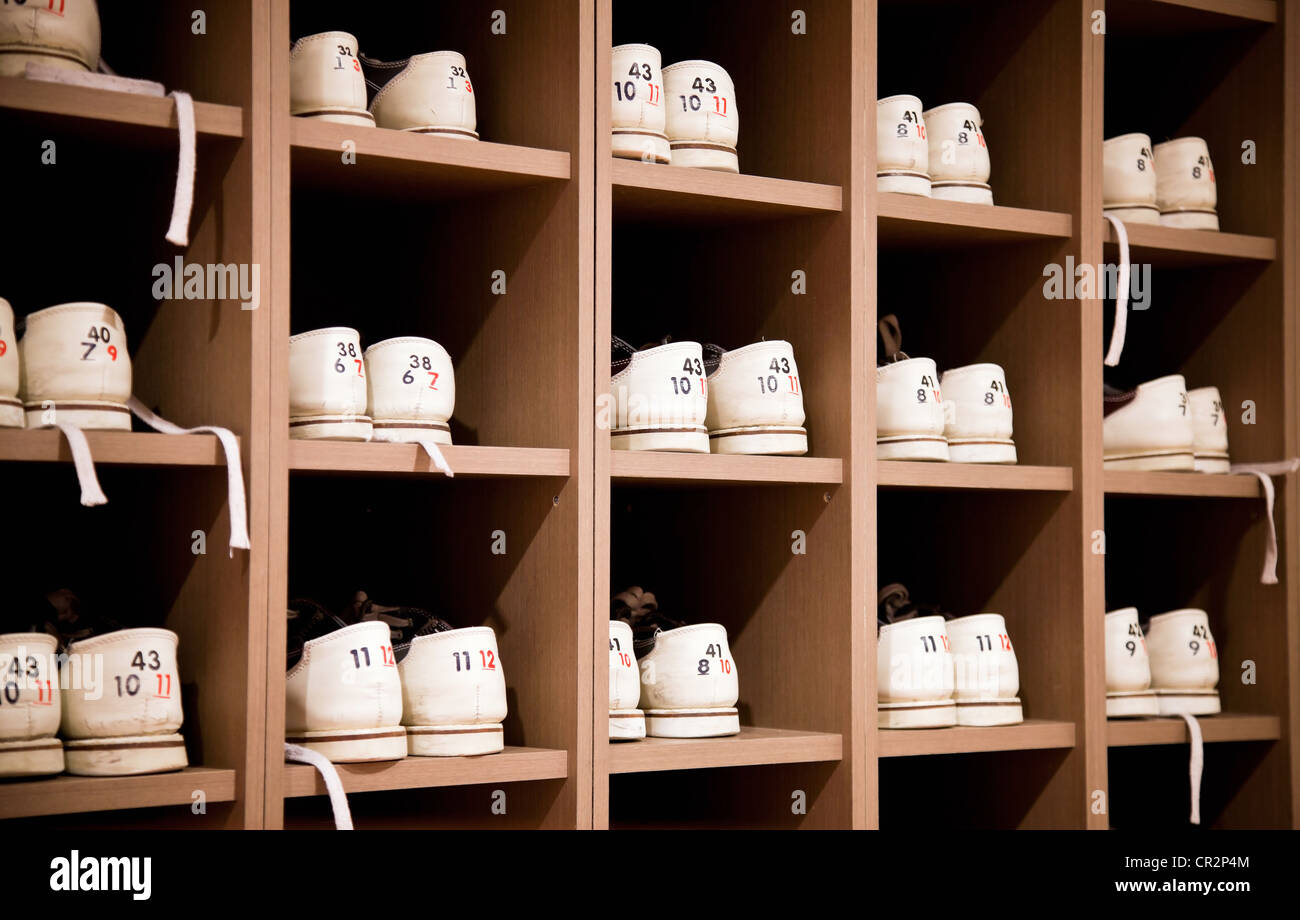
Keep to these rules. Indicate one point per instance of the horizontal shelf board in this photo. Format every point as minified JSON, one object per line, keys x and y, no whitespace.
{"x":911,"y":474}
{"x":753,"y":746}
{"x":1223,"y":727}
{"x":916,"y":222}
{"x":1173,"y":246}
{"x":1195,"y":485}
{"x":1174,"y":17}
{"x":41,"y":97}
{"x":1032,"y":734}
{"x":649,"y":191}
{"x":512,"y":765}
{"x":138,"y":448}
{"x":419,"y":164}
{"x":468,"y":460}
{"x":664,"y":467}
{"x":69,"y":795}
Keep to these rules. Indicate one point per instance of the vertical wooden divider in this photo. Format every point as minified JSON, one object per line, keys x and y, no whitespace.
{"x":1089,"y":480}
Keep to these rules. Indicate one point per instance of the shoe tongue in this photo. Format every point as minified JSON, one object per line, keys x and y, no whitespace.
{"x":307,"y":620}
{"x":712,"y":358}
{"x":405,"y":623}
{"x":890,"y":600}
{"x":377,"y":73}
{"x":72,"y":624}
{"x":895,"y":605}
{"x":640,"y":610}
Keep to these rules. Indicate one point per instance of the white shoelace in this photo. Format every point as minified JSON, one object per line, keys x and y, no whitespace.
{"x":1118,"y":333}
{"x":84,"y":464}
{"x":1265,"y":472}
{"x":431,"y":448}
{"x":435,"y":454}
{"x":178,"y":232}
{"x":234,"y":471}
{"x":333,"y":784}
{"x":1196,"y":764}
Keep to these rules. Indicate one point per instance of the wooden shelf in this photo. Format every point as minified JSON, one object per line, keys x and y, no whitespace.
{"x":66,"y":795}
{"x":109,"y":110}
{"x":1222,"y":727}
{"x":1172,"y":246}
{"x":512,"y":765}
{"x":466,"y":461}
{"x":909,"y":474}
{"x":1032,"y":734}
{"x":751,"y":747}
{"x":912,"y":221}
{"x":1175,"y":17}
{"x":415,"y":165}
{"x":665,"y":468}
{"x":1195,"y":485}
{"x":132,"y":448}
{"x":648,"y":191}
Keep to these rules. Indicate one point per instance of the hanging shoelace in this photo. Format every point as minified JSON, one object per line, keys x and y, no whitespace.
{"x":178,"y":232}
{"x":234,"y":471}
{"x":333,"y":784}
{"x":1265,"y":472}
{"x":1196,"y":763}
{"x":1118,"y":333}
{"x":83,"y":463}
{"x":435,"y":453}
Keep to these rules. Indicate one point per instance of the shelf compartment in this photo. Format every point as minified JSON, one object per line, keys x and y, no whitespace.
{"x":69,"y":795}
{"x":156,"y":115}
{"x":648,"y":191}
{"x":915,"y":222}
{"x":130,"y":448}
{"x":399,"y":459}
{"x":662,"y":467}
{"x":751,"y":747}
{"x":512,"y":765}
{"x":907,"y":474}
{"x":1194,"y":485}
{"x":1032,"y":734}
{"x":403,"y":163}
{"x":1222,"y":727}
{"x":1173,"y":246}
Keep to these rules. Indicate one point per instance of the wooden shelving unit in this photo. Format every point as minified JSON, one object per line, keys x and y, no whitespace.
{"x":403,"y":234}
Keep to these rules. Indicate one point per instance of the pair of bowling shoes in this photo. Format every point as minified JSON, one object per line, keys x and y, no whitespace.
{"x":682,"y":396}
{"x":331,"y":80}
{"x":382,"y":682}
{"x":683,"y":114}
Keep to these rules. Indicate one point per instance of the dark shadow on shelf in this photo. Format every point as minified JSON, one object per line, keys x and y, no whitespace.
{"x":994,"y":790}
